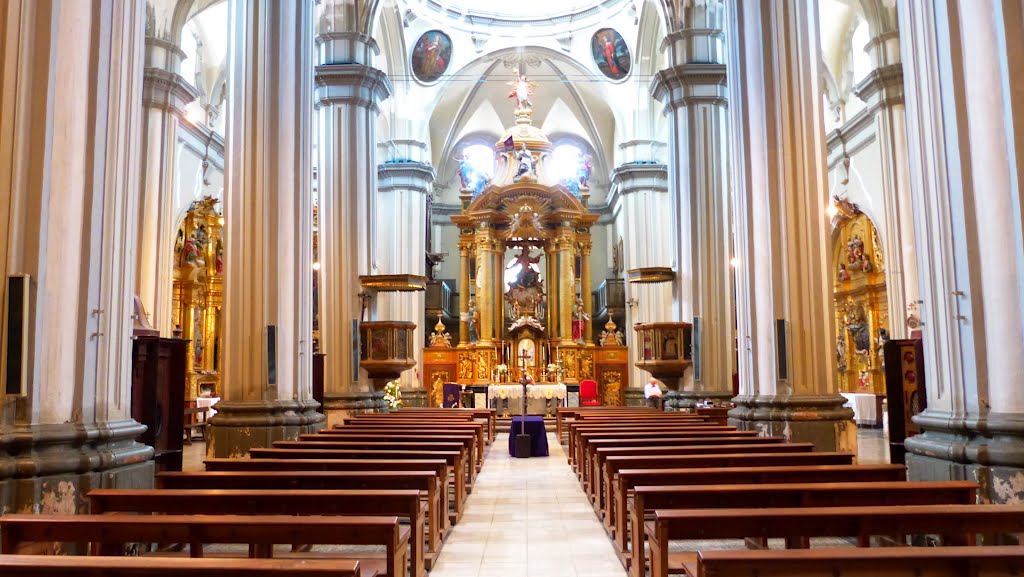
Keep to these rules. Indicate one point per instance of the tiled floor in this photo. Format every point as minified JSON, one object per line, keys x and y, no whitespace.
{"x":527,"y":517}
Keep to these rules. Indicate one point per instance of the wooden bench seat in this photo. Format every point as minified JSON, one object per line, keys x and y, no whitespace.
{"x":681,"y":432}
{"x":417,"y":427}
{"x":880,"y":562}
{"x":453,"y":453}
{"x":373,"y":435}
{"x":487,"y":415}
{"x":590,"y":464}
{"x":601,"y":474}
{"x":613,"y":465}
{"x":104,"y":566}
{"x":628,"y":479}
{"x":646,"y":499}
{"x":107,"y":534}
{"x":391,"y":502}
{"x":437,"y":517}
{"x":424,"y":481}
{"x":399,"y":432}
{"x":957,"y":524}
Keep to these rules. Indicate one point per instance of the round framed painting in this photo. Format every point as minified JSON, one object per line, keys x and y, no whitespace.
{"x":431,"y":55}
{"x":611,"y":54}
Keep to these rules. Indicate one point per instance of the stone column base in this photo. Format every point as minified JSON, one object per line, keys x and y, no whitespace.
{"x":242,"y":425}
{"x":800,"y":419}
{"x":49,"y":469}
{"x":414,"y":398}
{"x":339,"y":406}
{"x":682,"y":400}
{"x":635,"y":398}
{"x":955,"y":448}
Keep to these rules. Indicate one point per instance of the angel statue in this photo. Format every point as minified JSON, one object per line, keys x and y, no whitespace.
{"x":522,"y":89}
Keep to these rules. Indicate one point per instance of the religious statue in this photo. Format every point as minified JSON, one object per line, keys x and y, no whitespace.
{"x":855,"y":255}
{"x":579,"y":320}
{"x":525,"y":159}
{"x":883,"y":337}
{"x":470,"y":178}
{"x":528,"y":273}
{"x":841,"y":365}
{"x":611,"y":336}
{"x":522,"y":90}
{"x":473,"y":317}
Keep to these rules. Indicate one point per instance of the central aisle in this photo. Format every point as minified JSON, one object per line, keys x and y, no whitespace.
{"x":527,"y":517}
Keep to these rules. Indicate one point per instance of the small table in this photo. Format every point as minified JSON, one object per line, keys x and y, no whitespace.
{"x":534,"y":428}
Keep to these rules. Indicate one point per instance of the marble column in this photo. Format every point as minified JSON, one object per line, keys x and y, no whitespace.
{"x":488,"y":285}
{"x":695,"y":96}
{"x":466,"y":248}
{"x":347,"y":106}
{"x":586,"y":287}
{"x":71,"y":120}
{"x":883,"y":90}
{"x":268,"y":231}
{"x":964,"y":133}
{"x":401,"y":240}
{"x":165,"y":95}
{"x":647,"y":225}
{"x":784,"y":298}
{"x":565,"y":279}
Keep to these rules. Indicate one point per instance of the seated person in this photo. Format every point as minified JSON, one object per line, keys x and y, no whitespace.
{"x":652,"y":392}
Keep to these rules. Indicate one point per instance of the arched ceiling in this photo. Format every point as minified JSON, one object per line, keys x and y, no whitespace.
{"x":474,"y":108}
{"x":519,"y":17}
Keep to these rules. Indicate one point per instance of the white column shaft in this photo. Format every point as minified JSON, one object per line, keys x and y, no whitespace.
{"x":268,"y":203}
{"x":69,"y":168}
{"x":780,"y":199}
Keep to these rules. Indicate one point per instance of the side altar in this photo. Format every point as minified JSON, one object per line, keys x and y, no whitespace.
{"x":525,"y":287}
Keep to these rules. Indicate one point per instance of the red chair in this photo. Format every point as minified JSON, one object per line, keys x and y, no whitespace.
{"x":588,"y":393}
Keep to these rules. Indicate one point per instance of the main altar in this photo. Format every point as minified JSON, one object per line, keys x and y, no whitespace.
{"x":525,"y":287}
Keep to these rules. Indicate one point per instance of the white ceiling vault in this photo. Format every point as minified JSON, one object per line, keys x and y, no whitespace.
{"x":574,"y":102}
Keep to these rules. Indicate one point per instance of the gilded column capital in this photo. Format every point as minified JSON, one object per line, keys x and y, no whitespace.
{"x":357,"y":84}
{"x":167,"y":91}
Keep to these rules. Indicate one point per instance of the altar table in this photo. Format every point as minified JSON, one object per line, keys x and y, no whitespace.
{"x":867,"y":408}
{"x":534,"y":428}
{"x":541,"y":398}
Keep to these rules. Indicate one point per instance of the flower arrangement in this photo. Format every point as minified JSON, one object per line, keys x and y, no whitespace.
{"x":555,"y":370}
{"x":502,"y":371}
{"x":393,"y":395}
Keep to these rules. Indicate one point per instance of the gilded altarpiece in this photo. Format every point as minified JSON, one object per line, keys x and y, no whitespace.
{"x":198,"y":294}
{"x":861,"y":304}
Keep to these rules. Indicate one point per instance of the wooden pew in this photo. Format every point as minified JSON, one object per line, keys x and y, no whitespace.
{"x":579,"y":439}
{"x":585,"y":438}
{"x":588,"y":444}
{"x":454,"y":454}
{"x":599,"y":449}
{"x":71,"y":566}
{"x":881,"y":562}
{"x":393,"y":502}
{"x":302,"y":480}
{"x":420,"y":436}
{"x":107,"y":534}
{"x":601,"y":475}
{"x":563,"y":414}
{"x":613,"y":465}
{"x":416,"y":426}
{"x":629,"y":479}
{"x":958,"y":524}
{"x":436,"y":517}
{"x":488,"y":415}
{"x":646,"y":499}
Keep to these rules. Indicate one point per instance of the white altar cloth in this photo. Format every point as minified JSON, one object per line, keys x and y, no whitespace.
{"x":207,"y":403}
{"x":864,"y":407}
{"x":540,"y":391}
